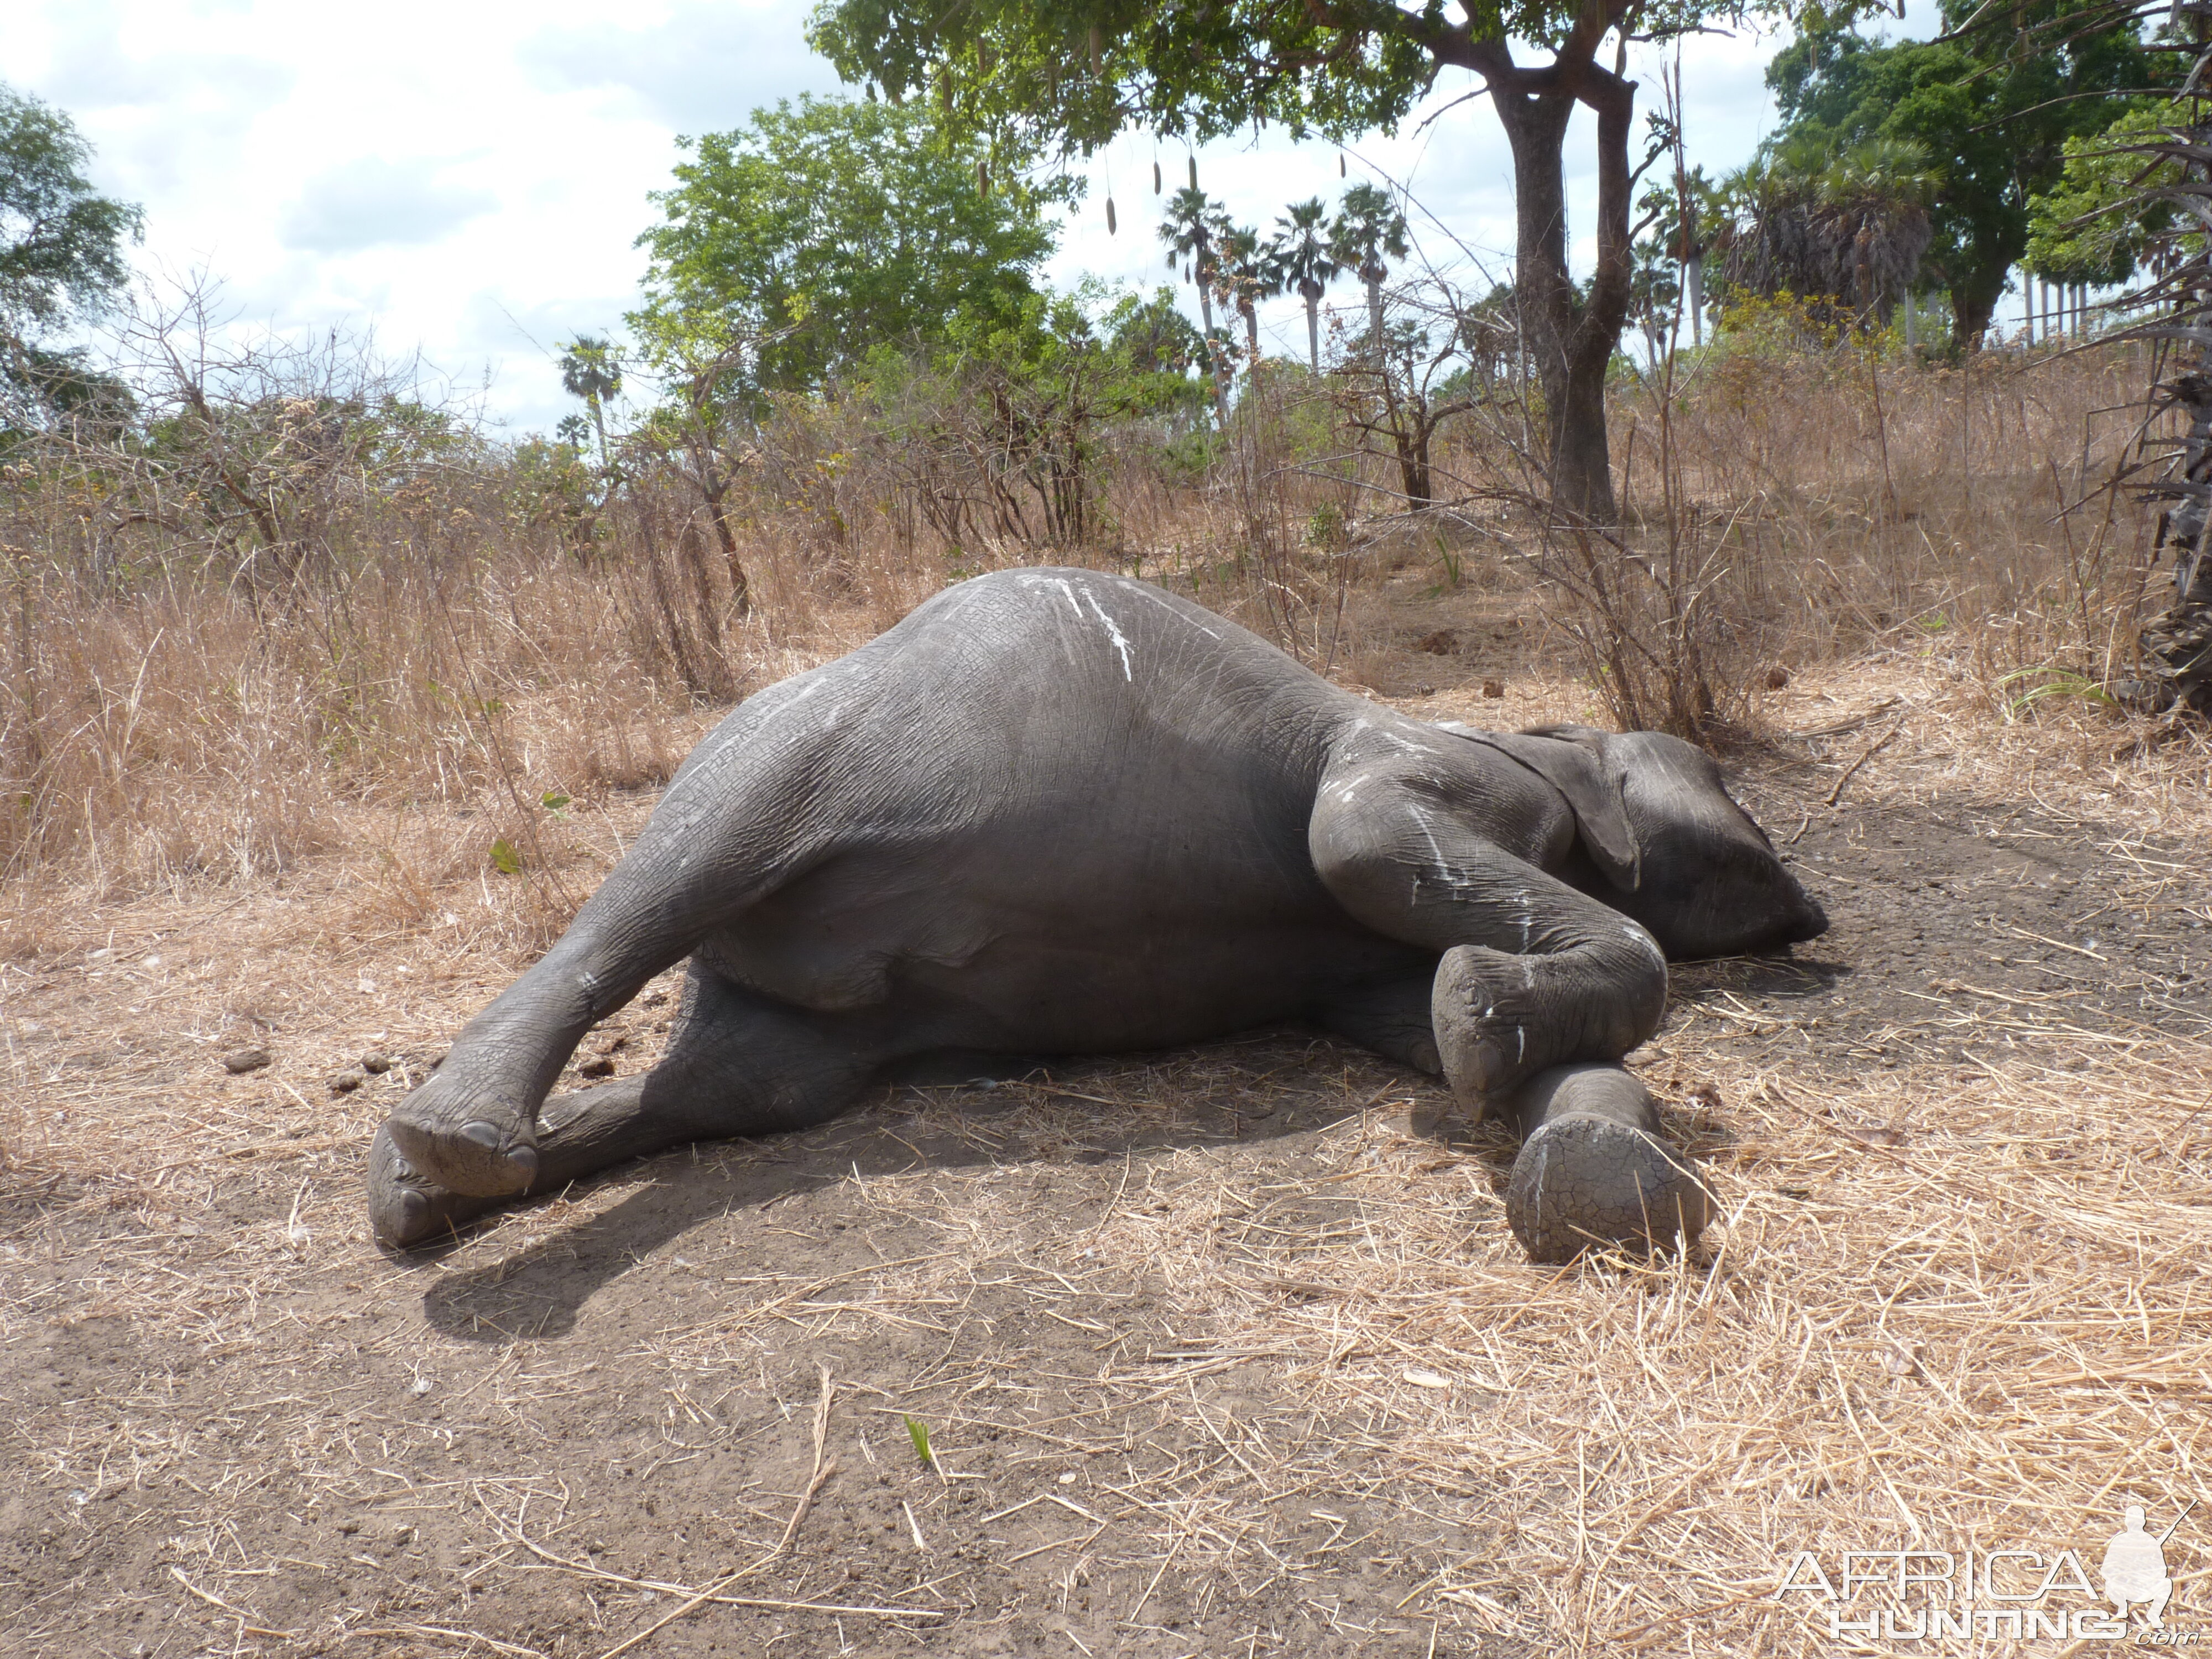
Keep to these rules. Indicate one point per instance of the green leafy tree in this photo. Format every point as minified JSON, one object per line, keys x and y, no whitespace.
{"x":2104,"y":217}
{"x":996,"y":426}
{"x":1991,"y":104}
{"x":1076,"y":72}
{"x":1670,"y":253}
{"x":62,"y":254}
{"x":822,"y":229}
{"x":1150,"y":334}
{"x":1303,"y":259}
{"x":1656,"y":292}
{"x":1248,"y":275}
{"x":1849,"y":228}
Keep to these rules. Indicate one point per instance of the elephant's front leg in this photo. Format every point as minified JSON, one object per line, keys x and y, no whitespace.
{"x":1539,"y":988}
{"x":1533,"y":974}
{"x":1593,"y":1169}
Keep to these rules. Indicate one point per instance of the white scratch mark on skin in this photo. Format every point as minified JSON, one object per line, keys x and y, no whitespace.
{"x":1520,"y":1044}
{"x":1114,"y":631}
{"x":1648,"y":943}
{"x":1435,"y":851}
{"x":1067,"y":591}
{"x":1527,"y":922}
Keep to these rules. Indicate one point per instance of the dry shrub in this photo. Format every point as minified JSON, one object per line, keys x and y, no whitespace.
{"x":1839,"y":503}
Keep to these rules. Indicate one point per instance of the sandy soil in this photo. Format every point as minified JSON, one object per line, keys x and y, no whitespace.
{"x":1219,"y":1351}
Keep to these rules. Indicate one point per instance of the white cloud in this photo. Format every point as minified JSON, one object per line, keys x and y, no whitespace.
{"x":701,"y":67}
{"x":373,"y":203}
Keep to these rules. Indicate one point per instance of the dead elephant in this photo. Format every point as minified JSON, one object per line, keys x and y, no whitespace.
{"x":1055,"y":812}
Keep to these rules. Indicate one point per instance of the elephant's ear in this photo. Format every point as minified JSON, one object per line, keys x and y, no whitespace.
{"x":1573,"y":761}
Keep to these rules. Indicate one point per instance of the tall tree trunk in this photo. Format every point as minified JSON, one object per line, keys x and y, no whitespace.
{"x":1572,"y":341}
{"x":1974,"y":297}
{"x":1310,"y":293}
{"x":741,"y":588}
{"x":1205,"y":270}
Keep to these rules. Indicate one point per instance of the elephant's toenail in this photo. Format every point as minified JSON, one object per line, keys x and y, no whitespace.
{"x":414,"y":1210}
{"x":483,"y":1135}
{"x":524,"y":1160}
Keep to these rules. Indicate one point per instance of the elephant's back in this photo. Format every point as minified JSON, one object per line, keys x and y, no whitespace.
{"x":1066,"y":699}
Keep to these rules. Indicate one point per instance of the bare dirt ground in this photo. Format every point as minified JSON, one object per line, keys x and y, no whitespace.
{"x":1223,"y":1351}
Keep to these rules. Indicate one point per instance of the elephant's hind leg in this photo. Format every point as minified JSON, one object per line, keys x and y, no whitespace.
{"x":738,"y":1064}
{"x":1392,"y":1019}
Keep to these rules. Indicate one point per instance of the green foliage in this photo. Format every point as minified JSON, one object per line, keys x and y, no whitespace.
{"x":823,"y":230}
{"x":1073,"y":73}
{"x":61,"y":250}
{"x":1303,"y":263}
{"x":61,"y":241}
{"x":920,"y":1436}
{"x":2099,"y":221}
{"x":1003,"y":416}
{"x":1367,"y":232}
{"x":1191,"y":223}
{"x":2049,"y":681}
{"x":591,"y":369}
{"x":1992,"y":108}
{"x":1671,"y":237}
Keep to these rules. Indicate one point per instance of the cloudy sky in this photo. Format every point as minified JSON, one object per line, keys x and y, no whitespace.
{"x":468,"y":177}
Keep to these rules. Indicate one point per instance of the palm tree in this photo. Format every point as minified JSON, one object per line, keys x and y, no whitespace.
{"x":1192,"y":228}
{"x":1300,"y":251}
{"x":1368,"y":230}
{"x":1849,"y":228}
{"x":591,"y":368}
{"x":1248,"y":275}
{"x":1876,"y":195}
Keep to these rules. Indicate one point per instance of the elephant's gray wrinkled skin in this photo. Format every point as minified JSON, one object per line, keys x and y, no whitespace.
{"x":1055,"y":812}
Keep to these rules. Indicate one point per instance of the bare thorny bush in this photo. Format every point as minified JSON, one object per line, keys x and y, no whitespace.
{"x":294,"y":599}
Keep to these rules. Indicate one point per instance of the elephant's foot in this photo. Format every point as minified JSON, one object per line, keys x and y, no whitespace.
{"x":1593,"y":1172}
{"x":467,"y":1146}
{"x":1483,"y":1013}
{"x":406,"y":1208}
{"x":1500,"y":1018}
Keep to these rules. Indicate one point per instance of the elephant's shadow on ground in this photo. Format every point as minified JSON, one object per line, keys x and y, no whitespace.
{"x":1268,"y":1086}
{"x":1782,"y":976}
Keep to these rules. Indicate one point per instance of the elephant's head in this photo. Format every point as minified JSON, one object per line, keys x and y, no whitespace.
{"x":1706,"y":879}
